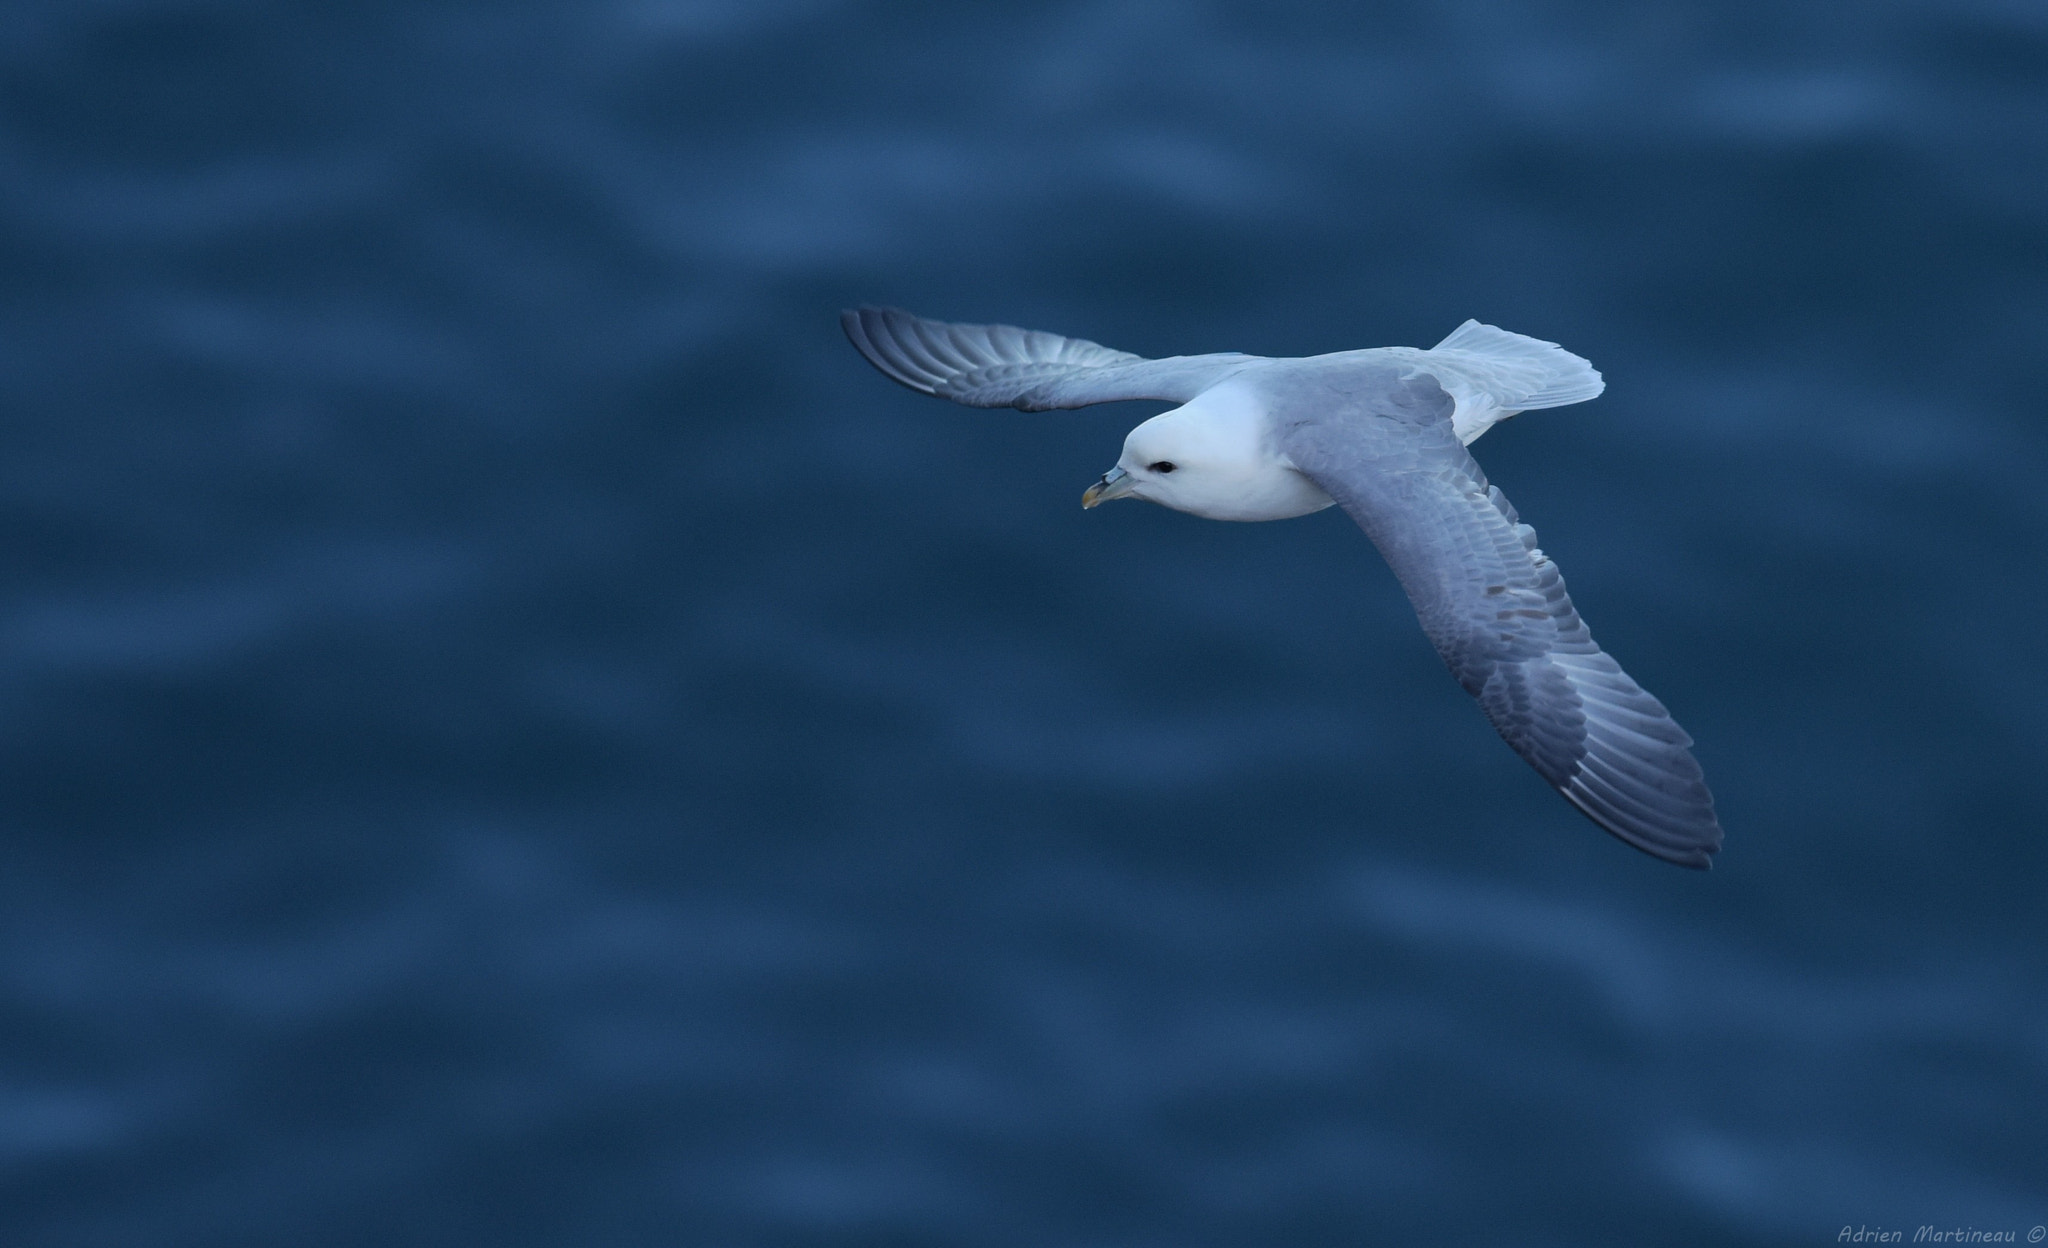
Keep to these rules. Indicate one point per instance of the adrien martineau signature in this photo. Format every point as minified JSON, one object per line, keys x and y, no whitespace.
{"x":1936,"y":1235}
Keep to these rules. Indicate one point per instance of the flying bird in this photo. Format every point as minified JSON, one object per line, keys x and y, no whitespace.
{"x":1381,"y":433}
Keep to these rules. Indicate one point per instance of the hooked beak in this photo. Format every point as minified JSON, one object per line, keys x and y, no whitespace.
{"x":1114,"y":484}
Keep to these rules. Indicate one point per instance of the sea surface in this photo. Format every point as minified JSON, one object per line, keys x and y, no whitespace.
{"x":512,"y":734}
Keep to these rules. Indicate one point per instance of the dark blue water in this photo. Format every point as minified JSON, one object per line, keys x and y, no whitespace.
{"x":514,"y":735}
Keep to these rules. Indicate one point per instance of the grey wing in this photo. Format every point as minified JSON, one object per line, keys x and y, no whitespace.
{"x":1496,"y":609}
{"x":1003,"y":366}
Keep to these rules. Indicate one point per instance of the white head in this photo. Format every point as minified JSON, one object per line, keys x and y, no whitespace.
{"x":1210,"y":458}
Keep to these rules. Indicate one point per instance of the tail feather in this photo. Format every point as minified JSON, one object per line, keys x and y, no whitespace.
{"x":1493,"y":374}
{"x":1522,"y":373}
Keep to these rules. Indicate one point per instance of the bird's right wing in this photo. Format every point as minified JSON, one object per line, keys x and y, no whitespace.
{"x":1003,"y":366}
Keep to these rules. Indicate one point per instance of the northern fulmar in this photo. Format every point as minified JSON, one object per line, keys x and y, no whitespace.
{"x":1382,"y":434}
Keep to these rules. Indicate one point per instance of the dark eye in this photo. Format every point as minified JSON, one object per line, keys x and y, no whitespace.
{"x":1164,"y":465}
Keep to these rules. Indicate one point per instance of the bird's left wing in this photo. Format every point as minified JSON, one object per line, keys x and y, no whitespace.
{"x":1003,"y":366}
{"x":1496,"y":609}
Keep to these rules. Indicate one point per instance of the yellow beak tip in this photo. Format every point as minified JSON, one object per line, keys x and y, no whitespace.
{"x":1114,"y":484}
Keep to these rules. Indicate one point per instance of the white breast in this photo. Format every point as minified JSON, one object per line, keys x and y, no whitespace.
{"x":1224,"y":464}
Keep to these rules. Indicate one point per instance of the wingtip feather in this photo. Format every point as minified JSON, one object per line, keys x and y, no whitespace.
{"x":874,"y":333}
{"x":1677,"y":846}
